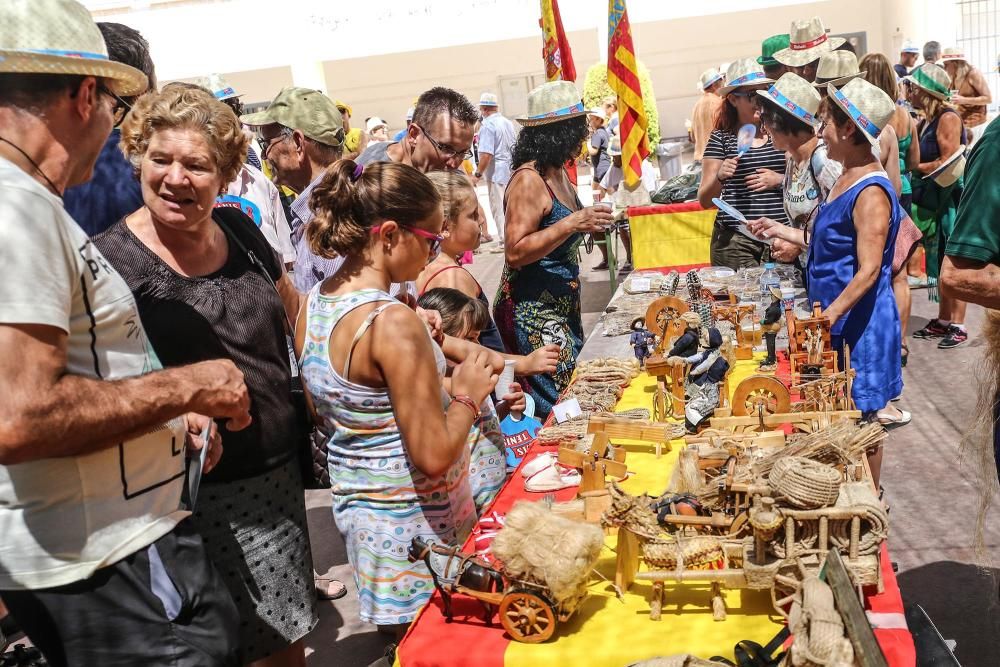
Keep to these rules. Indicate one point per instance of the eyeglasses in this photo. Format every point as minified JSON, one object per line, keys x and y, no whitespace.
{"x":446,"y":151}
{"x":267,"y":143}
{"x":121,"y":107}
{"x":435,"y":239}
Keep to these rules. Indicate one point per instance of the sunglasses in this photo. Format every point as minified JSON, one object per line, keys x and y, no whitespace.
{"x":435,"y":239}
{"x":446,"y":151}
{"x":121,"y":107}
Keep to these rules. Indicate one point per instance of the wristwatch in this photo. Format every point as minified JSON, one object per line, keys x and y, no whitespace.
{"x":477,"y":174}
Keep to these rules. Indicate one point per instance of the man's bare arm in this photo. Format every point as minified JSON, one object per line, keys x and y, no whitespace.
{"x":969,"y":280}
{"x":48,"y":413}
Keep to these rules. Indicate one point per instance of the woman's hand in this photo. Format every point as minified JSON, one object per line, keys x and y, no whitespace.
{"x":590,"y":219}
{"x":474,"y":377}
{"x":783,"y":251}
{"x":542,"y":361}
{"x":765,"y":228}
{"x":831,"y":315}
{"x":432,"y":320}
{"x":727,"y":169}
{"x":763,"y":179}
{"x":195,"y":426}
{"x":515,"y":399}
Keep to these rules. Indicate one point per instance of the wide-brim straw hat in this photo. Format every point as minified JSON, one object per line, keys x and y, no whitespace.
{"x":808,"y":41}
{"x":953,"y":53}
{"x":218,"y":86}
{"x":931,"y":79}
{"x":744,"y":72}
{"x":709,"y":77}
{"x":60,"y":37}
{"x":836,"y":67}
{"x":866,"y":105}
{"x":552,"y":102}
{"x":795,"y":96}
{"x":950,"y":170}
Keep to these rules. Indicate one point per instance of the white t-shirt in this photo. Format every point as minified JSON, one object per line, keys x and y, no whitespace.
{"x":254,"y":194}
{"x":62,"y":519}
{"x":497,"y":136}
{"x":614,"y":176}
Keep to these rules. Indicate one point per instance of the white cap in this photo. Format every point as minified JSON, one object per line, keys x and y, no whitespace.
{"x":409,"y":114}
{"x":488,"y":100}
{"x":374,"y":123}
{"x":909,"y":47}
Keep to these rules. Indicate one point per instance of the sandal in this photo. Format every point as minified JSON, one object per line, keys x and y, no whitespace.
{"x":890,"y":421}
{"x":602,"y":266}
{"x":905,"y":355}
{"x":329,"y":589}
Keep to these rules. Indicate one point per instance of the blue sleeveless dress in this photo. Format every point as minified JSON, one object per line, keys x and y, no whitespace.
{"x":871,"y":327}
{"x":539,"y":304}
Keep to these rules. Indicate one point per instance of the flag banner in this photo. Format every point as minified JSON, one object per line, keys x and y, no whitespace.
{"x":623,"y":78}
{"x":555,"y":47}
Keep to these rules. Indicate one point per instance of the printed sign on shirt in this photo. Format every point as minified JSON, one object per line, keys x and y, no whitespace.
{"x":250,"y":209}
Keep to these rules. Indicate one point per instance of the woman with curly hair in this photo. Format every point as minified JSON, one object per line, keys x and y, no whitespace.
{"x":538,"y":301}
{"x":209,"y":286}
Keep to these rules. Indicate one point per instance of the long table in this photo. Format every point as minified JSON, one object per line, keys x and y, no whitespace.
{"x":606,"y":631}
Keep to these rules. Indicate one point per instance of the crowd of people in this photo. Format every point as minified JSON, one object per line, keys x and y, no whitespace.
{"x":203,"y":299}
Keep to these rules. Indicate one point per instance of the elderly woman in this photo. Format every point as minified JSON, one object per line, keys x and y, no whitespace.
{"x":208,"y":286}
{"x":750,"y":182}
{"x":852,"y":245}
{"x":973,"y":92}
{"x":934,"y":208}
{"x":538,"y":301}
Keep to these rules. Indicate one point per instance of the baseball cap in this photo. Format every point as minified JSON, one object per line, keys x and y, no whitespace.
{"x":309,"y":111}
{"x":374,"y":123}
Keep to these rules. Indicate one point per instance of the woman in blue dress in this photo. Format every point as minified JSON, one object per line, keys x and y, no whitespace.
{"x":851,"y":251}
{"x":538,"y":301}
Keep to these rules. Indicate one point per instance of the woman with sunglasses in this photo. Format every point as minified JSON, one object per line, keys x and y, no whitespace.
{"x":397,"y":449}
{"x":751,"y":182}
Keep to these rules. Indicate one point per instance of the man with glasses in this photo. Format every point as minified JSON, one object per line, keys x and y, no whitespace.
{"x":114,"y":191}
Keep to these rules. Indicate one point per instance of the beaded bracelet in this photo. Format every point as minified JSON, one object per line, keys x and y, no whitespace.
{"x":469,"y":403}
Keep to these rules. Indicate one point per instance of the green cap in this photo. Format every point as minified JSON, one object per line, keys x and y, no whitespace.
{"x":770,"y":46}
{"x":306,"y":110}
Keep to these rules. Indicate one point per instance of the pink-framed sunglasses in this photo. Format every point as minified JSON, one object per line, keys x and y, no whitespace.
{"x":435,"y":239}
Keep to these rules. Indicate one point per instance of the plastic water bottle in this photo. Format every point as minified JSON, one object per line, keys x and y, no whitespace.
{"x":768,"y":279}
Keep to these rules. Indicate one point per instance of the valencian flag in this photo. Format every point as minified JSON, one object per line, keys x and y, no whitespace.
{"x":555,"y":47}
{"x":623,"y":78}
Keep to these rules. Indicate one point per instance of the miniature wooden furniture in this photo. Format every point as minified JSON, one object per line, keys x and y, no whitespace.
{"x":669,"y":398}
{"x":658,"y":433}
{"x":809,"y":344}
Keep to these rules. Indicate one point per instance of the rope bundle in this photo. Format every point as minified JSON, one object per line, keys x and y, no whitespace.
{"x":874,"y":524}
{"x":818,"y":629}
{"x":805,"y":483}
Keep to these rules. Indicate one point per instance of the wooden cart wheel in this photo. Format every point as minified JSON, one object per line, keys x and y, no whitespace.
{"x":660,"y":403}
{"x":662,"y":311}
{"x":761,"y":392}
{"x":786,"y":589}
{"x":527,"y":616}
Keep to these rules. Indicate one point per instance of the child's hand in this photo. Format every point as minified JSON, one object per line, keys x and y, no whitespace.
{"x":515,"y":400}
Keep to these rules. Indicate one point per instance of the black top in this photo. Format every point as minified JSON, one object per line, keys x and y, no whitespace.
{"x":234,"y":314}
{"x":686,"y":345}
{"x":753,"y":205}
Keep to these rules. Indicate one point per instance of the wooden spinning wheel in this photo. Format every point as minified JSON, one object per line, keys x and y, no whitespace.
{"x":761,"y":394}
{"x":663,"y":312}
{"x":527,"y":616}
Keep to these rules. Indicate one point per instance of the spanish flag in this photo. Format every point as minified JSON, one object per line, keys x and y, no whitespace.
{"x":555,"y":47}
{"x":623,"y":78}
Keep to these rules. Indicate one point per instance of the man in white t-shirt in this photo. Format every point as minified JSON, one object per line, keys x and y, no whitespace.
{"x":93,"y":435}
{"x":253,"y":193}
{"x":497,"y":136}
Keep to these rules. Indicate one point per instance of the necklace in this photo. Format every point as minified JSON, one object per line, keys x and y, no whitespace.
{"x":34,"y":164}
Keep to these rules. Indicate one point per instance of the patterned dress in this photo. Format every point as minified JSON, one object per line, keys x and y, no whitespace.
{"x":487,"y":457}
{"x":539,"y":304}
{"x":871,"y":327}
{"x":381,"y":501}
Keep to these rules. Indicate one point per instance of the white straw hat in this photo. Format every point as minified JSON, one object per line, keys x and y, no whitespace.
{"x":744,"y":72}
{"x":374,"y":123}
{"x":950,"y":170}
{"x":953,"y":53}
{"x":60,"y":37}
{"x":837,"y":67}
{"x":809,"y":41}
{"x":909,"y":47}
{"x":932,"y":79}
{"x":552,"y":102}
{"x":709,"y":77}
{"x":219,"y":87}
{"x":488,"y":100}
{"x":795,"y":96}
{"x":866,"y":104}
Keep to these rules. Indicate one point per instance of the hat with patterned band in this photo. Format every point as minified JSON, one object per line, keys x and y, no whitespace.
{"x":552,"y":102}
{"x":932,"y":79}
{"x":769,"y":47}
{"x":215,"y":84}
{"x":795,"y":96}
{"x":949,"y":171}
{"x":488,"y":100}
{"x":909,"y":47}
{"x":953,"y":53}
{"x":866,"y":104}
{"x":709,"y":77}
{"x":809,"y":41}
{"x":744,"y":72}
{"x":60,"y":37}
{"x":836,"y":67}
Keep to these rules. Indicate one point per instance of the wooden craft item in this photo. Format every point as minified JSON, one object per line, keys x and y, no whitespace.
{"x":663,"y":319}
{"x":656,"y":432}
{"x":760,"y":395}
{"x":867,"y":652}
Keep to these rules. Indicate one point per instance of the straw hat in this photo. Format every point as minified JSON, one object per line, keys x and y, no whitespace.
{"x":809,"y":41}
{"x":837,"y":67}
{"x":744,"y":72}
{"x":60,"y":37}
{"x":932,"y":79}
{"x":615,"y":146}
{"x":709,"y":77}
{"x":769,"y":47}
{"x":552,"y":102}
{"x":488,"y":100}
{"x":950,"y":170}
{"x":909,"y":47}
{"x":953,"y":53}
{"x":866,"y":104}
{"x":794,"y":95}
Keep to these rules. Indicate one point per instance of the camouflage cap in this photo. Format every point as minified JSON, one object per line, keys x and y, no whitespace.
{"x":306,"y":110}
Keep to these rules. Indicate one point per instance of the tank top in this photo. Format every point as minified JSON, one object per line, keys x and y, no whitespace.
{"x":904,"y":175}
{"x":929,"y":148}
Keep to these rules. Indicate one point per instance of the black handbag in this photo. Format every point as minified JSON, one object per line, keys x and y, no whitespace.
{"x":310,"y":445}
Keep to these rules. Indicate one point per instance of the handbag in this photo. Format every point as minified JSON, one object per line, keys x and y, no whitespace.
{"x":310,"y":442}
